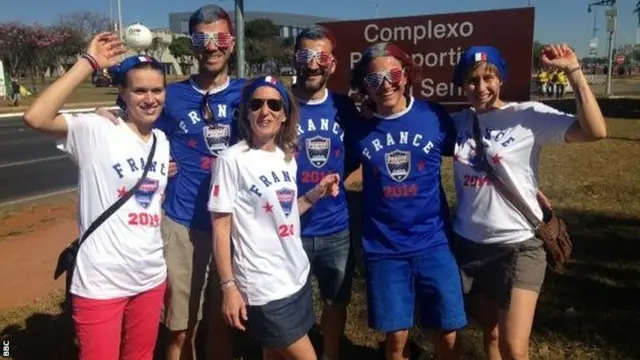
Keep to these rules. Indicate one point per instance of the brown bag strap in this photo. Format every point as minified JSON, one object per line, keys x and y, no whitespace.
{"x":503,"y":189}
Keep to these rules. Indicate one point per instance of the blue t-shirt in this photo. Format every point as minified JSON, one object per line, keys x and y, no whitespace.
{"x":195,"y":145}
{"x":321,"y":151}
{"x":405,"y":211}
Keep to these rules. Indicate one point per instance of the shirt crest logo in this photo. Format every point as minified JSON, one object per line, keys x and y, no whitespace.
{"x":398,"y":164}
{"x":217,"y":137}
{"x":318,"y":149}
{"x":286,"y":197}
{"x":144,"y":194}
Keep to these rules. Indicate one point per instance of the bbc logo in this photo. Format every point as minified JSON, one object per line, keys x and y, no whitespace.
{"x":6,"y":352}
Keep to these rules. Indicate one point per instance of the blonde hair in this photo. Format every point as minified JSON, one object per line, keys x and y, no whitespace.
{"x":287,"y":136}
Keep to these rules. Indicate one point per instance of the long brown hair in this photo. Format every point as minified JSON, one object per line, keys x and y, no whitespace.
{"x":287,"y":137}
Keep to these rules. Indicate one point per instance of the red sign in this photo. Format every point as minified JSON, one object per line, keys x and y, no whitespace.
{"x":436,"y":42}
{"x":620,"y":59}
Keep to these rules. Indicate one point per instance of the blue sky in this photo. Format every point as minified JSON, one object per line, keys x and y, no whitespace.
{"x":556,"y":20}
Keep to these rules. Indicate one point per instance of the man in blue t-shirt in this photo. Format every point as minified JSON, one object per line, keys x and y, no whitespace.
{"x":405,"y":228}
{"x":324,"y":116}
{"x":199,"y":120}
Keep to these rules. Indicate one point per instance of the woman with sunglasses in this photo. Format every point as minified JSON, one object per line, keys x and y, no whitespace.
{"x":405,"y":212}
{"x":502,"y":261}
{"x":118,"y":284}
{"x":256,"y":208}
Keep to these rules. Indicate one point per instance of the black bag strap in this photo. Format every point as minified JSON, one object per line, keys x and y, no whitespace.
{"x":503,"y":189}
{"x":116,"y":205}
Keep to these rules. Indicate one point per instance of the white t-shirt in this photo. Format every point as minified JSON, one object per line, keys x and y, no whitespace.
{"x":124,"y":255}
{"x":259,"y":189}
{"x":515,"y":134}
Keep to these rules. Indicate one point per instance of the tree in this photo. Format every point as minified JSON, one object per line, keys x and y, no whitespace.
{"x":537,"y":51}
{"x":158,"y":47}
{"x":87,"y":23}
{"x":180,"y":49}
{"x":261,"y":29}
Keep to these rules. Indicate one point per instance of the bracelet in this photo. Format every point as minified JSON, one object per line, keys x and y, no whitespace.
{"x":227,"y":284}
{"x":92,"y":61}
{"x":308,"y":199}
{"x":571,"y":71}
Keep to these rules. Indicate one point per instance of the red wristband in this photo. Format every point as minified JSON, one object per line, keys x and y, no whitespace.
{"x":92,"y":61}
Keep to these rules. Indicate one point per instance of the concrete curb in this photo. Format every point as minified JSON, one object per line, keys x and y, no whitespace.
{"x":68,"y":108}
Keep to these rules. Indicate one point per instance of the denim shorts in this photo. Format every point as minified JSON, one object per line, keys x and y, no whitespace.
{"x":280,"y":323}
{"x":432,"y":279}
{"x":332,"y":263}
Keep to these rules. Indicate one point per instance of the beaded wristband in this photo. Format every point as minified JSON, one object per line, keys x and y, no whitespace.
{"x":92,"y":61}
{"x":571,"y":71}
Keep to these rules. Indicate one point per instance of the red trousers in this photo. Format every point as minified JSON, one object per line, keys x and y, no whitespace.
{"x":122,"y":328}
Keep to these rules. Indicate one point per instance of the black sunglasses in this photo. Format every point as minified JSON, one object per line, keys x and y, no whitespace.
{"x":205,"y":109}
{"x":256,"y":104}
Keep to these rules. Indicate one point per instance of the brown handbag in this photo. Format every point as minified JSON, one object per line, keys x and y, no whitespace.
{"x":552,"y":230}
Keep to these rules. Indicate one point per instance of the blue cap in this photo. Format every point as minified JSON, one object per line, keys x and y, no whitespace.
{"x":476,"y":54}
{"x":128,"y":64}
{"x":270,"y":81}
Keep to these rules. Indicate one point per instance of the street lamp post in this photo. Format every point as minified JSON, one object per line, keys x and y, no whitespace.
{"x":120,"y":20}
{"x":240,"y":62}
{"x":612,"y":23}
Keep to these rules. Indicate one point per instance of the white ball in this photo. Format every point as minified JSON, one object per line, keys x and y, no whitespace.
{"x":138,"y":37}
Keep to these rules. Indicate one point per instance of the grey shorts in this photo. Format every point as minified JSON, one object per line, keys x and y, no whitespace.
{"x":494,"y":270}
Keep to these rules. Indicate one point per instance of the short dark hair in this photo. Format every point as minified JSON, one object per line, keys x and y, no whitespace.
{"x":316,"y":33}
{"x":209,"y":14}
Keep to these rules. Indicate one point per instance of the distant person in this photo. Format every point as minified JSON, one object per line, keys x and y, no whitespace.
{"x":256,"y":207}
{"x":543,"y":80}
{"x":502,"y":261}
{"x":15,"y":92}
{"x":406,"y":227}
{"x":119,"y":281}
{"x":561,"y":85}
{"x":325,"y":227}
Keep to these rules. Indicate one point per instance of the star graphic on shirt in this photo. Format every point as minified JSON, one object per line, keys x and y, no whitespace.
{"x":268,"y":208}
{"x":496,"y":159}
{"x":122,"y":191}
{"x":337,"y":152}
{"x":456,"y":157}
{"x":421,"y":165}
{"x":193,"y":143}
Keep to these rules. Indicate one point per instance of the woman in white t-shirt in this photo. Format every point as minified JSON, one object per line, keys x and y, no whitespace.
{"x":502,"y":262}
{"x":256,"y":208}
{"x":118,"y":284}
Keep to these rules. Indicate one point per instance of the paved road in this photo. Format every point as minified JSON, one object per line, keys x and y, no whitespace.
{"x":30,"y":163}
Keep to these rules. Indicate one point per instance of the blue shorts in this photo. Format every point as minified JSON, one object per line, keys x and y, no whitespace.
{"x":332,"y":263}
{"x":394,"y":285}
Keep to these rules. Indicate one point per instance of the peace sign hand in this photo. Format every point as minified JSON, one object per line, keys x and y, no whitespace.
{"x":106,"y":49}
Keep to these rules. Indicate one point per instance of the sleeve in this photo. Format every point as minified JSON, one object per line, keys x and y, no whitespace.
{"x":447,"y":129}
{"x":224,"y":185}
{"x":82,"y":129}
{"x":549,"y":125}
{"x":352,"y":159}
{"x":165,"y":123}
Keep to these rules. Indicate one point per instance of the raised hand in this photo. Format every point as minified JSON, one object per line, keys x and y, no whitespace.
{"x":106,"y":48}
{"x":559,"y":56}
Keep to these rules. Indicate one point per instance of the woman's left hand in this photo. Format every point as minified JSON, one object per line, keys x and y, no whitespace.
{"x":329,"y":185}
{"x":559,"y":56}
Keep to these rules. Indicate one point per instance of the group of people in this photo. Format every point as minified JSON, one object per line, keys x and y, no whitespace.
{"x":244,"y":199}
{"x":551,"y":83}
